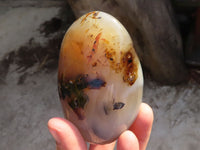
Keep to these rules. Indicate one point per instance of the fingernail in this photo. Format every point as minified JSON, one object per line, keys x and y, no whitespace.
{"x":55,"y":135}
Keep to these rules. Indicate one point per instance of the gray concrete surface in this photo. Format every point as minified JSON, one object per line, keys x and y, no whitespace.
{"x":177,"y":116}
{"x":28,"y":84}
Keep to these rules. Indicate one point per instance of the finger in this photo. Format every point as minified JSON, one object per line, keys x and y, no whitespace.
{"x":109,"y":146}
{"x":66,"y":135}
{"x":127,"y":141}
{"x":142,"y":125}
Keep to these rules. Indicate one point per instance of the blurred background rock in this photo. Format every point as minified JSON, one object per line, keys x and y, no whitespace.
{"x":165,"y":37}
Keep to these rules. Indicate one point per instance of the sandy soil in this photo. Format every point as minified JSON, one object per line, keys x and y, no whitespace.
{"x":30,"y":38}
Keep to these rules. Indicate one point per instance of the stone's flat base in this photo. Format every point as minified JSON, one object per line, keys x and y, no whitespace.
{"x":28,"y":99}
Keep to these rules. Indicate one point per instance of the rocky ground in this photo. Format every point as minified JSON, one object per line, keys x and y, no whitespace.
{"x":30,"y":37}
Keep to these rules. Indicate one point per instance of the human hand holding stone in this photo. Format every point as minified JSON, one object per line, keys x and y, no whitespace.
{"x":68,"y":137}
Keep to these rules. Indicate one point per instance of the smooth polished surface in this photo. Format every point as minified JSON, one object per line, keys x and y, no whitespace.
{"x":100,"y":79}
{"x":27,"y":107}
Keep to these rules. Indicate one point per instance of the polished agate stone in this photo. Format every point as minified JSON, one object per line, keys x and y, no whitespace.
{"x":100,"y":79}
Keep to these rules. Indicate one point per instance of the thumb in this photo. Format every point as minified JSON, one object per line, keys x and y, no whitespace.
{"x":66,"y":135}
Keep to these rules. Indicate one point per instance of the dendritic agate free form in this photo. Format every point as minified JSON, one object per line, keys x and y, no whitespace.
{"x":100,"y":79}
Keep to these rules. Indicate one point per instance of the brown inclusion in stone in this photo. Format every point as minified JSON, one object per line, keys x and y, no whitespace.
{"x":128,"y":65}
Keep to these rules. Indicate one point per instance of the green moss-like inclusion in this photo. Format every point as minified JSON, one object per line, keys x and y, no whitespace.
{"x":74,"y":90}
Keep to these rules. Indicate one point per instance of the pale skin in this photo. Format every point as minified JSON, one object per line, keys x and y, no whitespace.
{"x":68,"y":137}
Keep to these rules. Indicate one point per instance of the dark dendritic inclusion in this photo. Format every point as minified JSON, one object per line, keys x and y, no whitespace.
{"x":73,"y":89}
{"x":118,"y":105}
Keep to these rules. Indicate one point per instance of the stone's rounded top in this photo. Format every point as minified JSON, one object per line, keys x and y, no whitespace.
{"x":98,"y":39}
{"x":100,"y":79}
{"x":100,"y":22}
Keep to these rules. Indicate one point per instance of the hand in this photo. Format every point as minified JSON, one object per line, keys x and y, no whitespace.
{"x":68,"y":137}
